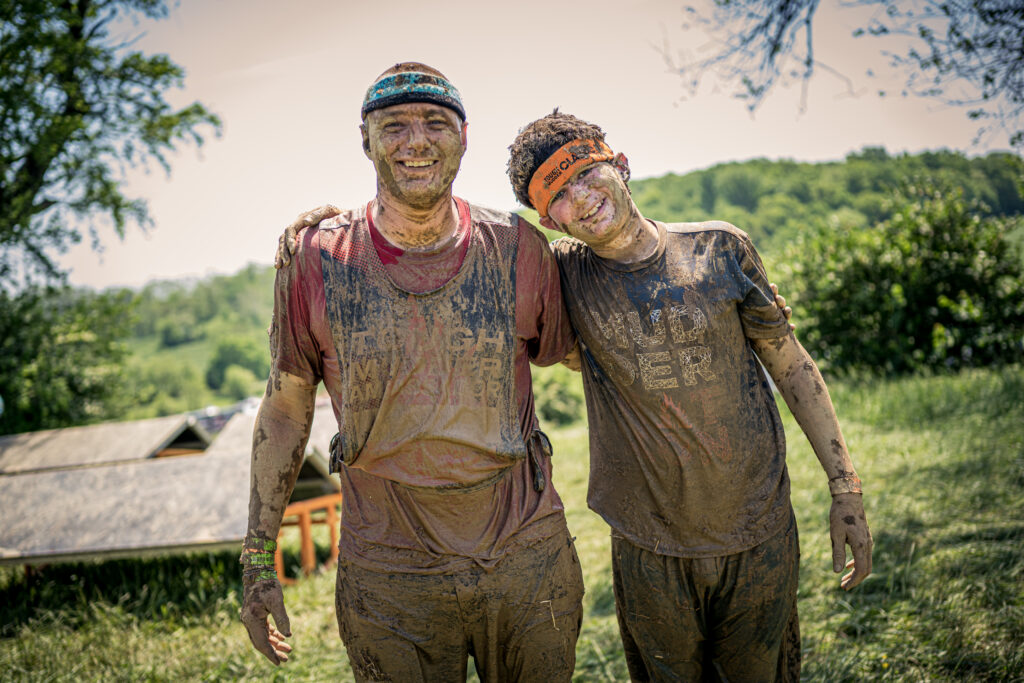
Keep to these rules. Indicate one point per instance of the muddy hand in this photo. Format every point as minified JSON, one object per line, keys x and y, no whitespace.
{"x":849,"y":526}
{"x":261,"y":600}
{"x":309,"y":219}
{"x":780,"y":301}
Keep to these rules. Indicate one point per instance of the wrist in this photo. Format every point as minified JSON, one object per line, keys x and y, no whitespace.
{"x":848,"y":482}
{"x":257,"y":559}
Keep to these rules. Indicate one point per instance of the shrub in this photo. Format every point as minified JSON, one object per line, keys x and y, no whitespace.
{"x":936,"y":285}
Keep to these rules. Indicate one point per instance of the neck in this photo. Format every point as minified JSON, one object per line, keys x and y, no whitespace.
{"x":416,"y":228}
{"x":635,"y":242}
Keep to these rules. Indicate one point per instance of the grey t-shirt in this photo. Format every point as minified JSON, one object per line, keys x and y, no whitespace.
{"x":687,"y":451}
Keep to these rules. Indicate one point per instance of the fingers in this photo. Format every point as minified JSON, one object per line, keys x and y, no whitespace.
{"x":288,"y":241}
{"x":261,"y":600}
{"x":280,"y":615}
{"x":283,"y":255}
{"x":838,"y":551}
{"x":278,"y":641}
{"x":259,"y":631}
{"x":780,"y":301}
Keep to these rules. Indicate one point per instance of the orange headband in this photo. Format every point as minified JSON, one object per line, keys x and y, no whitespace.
{"x":549,"y":178}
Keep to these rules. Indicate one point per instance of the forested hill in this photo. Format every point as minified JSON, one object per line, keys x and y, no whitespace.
{"x":774,"y":200}
{"x":178,"y":346}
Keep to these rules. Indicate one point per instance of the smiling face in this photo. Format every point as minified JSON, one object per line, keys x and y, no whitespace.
{"x":417,"y":149}
{"x":593,"y":206}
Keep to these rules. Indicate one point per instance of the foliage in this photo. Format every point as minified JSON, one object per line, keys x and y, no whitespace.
{"x":775,"y":201}
{"x":241,"y":352}
{"x":943,"y":470}
{"x":78,"y":106}
{"x":240,"y":382}
{"x":165,"y":388}
{"x":558,"y":395}
{"x":967,"y":53}
{"x":61,"y":352}
{"x":935,"y":285}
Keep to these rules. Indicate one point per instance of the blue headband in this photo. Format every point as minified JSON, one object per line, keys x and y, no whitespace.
{"x":411,"y":86}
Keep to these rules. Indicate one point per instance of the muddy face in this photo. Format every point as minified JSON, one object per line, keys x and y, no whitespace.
{"x":594,"y":206}
{"x":417,"y":149}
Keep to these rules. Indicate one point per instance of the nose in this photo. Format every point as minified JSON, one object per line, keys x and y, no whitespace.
{"x":418,"y":136}
{"x":577,"y":191}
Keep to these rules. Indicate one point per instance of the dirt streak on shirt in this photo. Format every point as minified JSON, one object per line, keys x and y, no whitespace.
{"x":434,"y":416}
{"x":687,"y":449}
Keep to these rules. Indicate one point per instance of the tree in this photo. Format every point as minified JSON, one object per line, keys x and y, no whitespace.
{"x":77,"y":108}
{"x":936,"y":285}
{"x":61,"y":357}
{"x":245,"y":352}
{"x":967,"y":53}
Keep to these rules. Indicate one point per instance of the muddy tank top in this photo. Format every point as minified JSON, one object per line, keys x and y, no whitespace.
{"x":429,"y":398}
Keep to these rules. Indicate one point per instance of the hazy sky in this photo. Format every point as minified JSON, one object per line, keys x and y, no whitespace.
{"x":288,"y":79}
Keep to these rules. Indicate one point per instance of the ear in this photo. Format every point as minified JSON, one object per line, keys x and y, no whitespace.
{"x":366,"y":139}
{"x":550,"y":224}
{"x":621,"y":164}
{"x":465,"y":126}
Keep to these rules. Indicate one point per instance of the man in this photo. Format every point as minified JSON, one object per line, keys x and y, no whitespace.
{"x":421,"y":314}
{"x":686,"y":444}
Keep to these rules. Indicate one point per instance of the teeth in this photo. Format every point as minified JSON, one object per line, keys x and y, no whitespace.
{"x":417,"y":164}
{"x":592,"y":211}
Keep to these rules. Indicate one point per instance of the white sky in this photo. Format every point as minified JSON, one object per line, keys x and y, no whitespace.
{"x":288,"y":79}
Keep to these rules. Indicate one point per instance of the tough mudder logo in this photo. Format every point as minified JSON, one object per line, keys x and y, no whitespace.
{"x":578,"y":153}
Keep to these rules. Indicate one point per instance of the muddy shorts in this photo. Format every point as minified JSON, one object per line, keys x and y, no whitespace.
{"x":730,"y":618}
{"x":519,"y":622}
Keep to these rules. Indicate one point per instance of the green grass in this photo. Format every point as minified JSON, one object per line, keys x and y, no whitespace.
{"x":942,"y":459}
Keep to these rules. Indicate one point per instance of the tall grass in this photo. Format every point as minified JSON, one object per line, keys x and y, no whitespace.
{"x":942,"y":459}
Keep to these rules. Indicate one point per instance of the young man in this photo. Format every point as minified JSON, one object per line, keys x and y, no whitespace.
{"x":686,"y":444}
{"x":421,"y":314}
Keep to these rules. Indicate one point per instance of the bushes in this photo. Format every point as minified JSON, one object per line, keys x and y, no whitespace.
{"x":244,"y":352}
{"x":937,"y":285}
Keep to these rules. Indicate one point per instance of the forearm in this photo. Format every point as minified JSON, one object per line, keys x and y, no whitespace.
{"x":279,"y":440}
{"x":803,"y":388}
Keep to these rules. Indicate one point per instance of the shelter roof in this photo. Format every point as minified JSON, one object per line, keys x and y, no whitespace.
{"x":99,"y":444}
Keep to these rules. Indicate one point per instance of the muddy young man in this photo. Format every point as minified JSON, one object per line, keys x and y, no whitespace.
{"x":686,"y":444}
{"x":420,"y":313}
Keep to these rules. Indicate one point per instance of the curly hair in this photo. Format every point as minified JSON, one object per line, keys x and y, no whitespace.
{"x":539,"y":140}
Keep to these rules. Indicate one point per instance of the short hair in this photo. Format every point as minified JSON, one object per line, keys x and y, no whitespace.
{"x":539,"y":140}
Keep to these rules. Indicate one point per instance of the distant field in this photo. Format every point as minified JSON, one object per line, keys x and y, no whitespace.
{"x":942,"y":459}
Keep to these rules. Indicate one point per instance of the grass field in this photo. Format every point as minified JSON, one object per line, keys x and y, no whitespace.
{"x":942,"y":459}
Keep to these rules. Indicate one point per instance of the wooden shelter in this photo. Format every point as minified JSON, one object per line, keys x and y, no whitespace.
{"x":133,"y":489}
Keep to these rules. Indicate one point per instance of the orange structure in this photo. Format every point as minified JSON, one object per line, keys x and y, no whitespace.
{"x":304,"y":514}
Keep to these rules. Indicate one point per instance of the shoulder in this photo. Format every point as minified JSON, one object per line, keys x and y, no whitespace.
{"x":483,"y":214}
{"x":707,"y":227}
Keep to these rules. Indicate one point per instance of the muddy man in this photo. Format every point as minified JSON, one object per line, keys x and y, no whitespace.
{"x":421,"y":313}
{"x":687,"y":451}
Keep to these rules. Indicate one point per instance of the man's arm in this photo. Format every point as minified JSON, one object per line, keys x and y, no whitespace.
{"x":803,"y":388}
{"x":279,"y":441}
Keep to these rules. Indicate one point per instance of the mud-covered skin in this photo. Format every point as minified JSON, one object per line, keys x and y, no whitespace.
{"x":398,"y":140}
{"x":279,"y":438}
{"x":803,"y":388}
{"x":520,"y":621}
{"x":261,"y":600}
